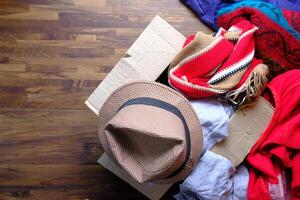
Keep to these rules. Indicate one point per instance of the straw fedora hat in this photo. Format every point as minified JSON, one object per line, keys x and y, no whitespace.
{"x":151,"y":131}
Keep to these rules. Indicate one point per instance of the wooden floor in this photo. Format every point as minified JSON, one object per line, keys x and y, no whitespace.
{"x":53,"y":53}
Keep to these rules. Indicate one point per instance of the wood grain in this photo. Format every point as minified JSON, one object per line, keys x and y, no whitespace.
{"x":53,"y":54}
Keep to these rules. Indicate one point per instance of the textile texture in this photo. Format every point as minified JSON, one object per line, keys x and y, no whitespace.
{"x":207,"y":10}
{"x":221,"y":64}
{"x":278,"y":148}
{"x":276,"y":40}
{"x":223,"y":182}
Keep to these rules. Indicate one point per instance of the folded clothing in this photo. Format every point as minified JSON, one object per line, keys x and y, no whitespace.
{"x":221,"y":64}
{"x":276,"y":39}
{"x":214,"y":177}
{"x":278,"y":148}
{"x":206,"y":10}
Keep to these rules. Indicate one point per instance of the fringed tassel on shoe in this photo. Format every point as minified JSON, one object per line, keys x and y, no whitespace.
{"x":252,"y":88}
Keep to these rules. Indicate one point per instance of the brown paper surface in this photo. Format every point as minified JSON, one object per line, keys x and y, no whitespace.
{"x":151,"y":190}
{"x":245,"y":127}
{"x":146,"y":59}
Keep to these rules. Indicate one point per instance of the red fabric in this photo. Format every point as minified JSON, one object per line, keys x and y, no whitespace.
{"x":293,"y":18}
{"x":271,"y":40}
{"x":197,"y":69}
{"x":278,"y":148}
{"x":243,"y":47}
{"x":188,"y":40}
{"x":223,"y":55}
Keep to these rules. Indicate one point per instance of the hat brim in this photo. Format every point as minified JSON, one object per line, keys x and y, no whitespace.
{"x":163,"y":93}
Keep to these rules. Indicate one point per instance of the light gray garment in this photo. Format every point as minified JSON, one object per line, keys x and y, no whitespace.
{"x":214,"y":117}
{"x":214,"y":177}
{"x":240,"y":183}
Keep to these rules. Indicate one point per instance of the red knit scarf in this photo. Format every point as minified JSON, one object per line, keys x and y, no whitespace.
{"x":221,"y":64}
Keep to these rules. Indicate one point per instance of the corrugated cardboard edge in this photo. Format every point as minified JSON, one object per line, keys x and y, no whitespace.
{"x":146,"y":59}
{"x":91,"y":107}
{"x":245,"y":127}
{"x":151,"y":190}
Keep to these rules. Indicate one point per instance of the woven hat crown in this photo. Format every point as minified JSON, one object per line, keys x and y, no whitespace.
{"x":151,"y":131}
{"x":142,"y":143}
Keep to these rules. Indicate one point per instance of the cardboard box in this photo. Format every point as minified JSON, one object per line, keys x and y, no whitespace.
{"x":150,"y":190}
{"x":146,"y":59}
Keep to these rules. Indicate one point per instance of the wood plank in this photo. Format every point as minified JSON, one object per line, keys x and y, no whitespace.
{"x":61,"y":182}
{"x":51,"y":175}
{"x":106,"y":64}
{"x":65,"y":182}
{"x":48,"y":137}
{"x":33,"y":12}
{"x":66,"y":193}
{"x":50,"y":2}
{"x":90,"y":3}
{"x":35,"y":93}
{"x":8,"y":7}
{"x":56,"y":51}
{"x":12,"y":68}
{"x":78,"y":72}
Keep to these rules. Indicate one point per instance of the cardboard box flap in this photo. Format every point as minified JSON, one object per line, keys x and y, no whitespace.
{"x":151,"y":190}
{"x":245,"y":127}
{"x":146,"y":59}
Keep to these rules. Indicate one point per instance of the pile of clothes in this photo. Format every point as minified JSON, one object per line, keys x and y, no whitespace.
{"x":278,"y":23}
{"x":255,"y":52}
{"x":166,"y":133}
